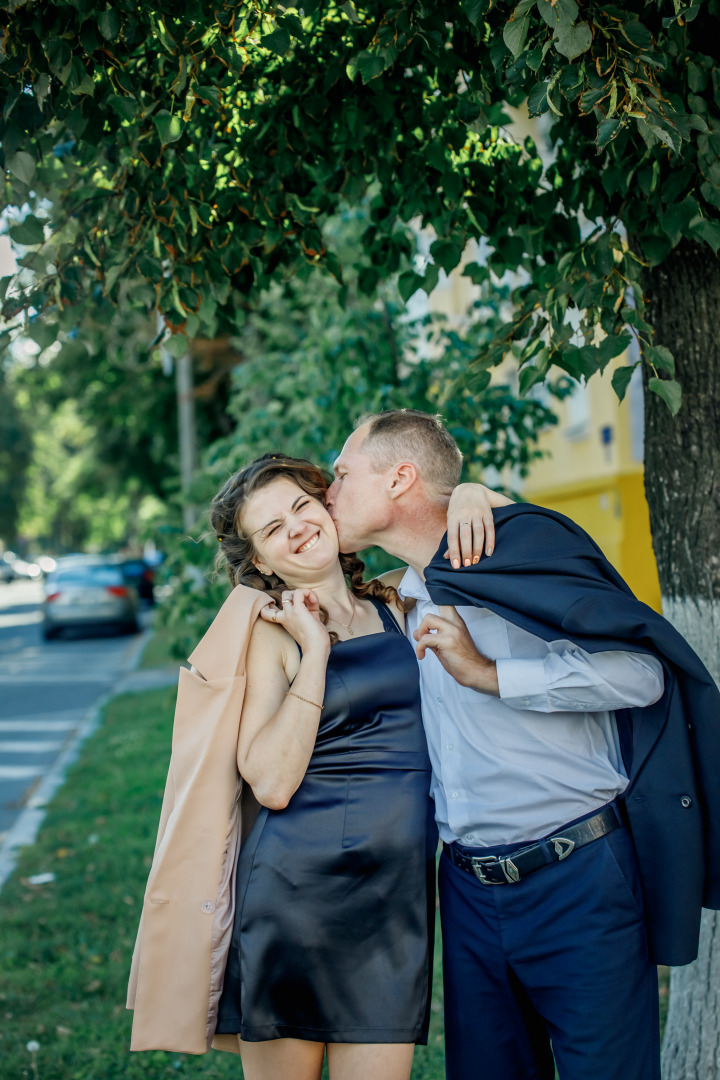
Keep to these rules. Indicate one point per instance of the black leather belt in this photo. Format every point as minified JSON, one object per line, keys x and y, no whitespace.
{"x":509,"y":869}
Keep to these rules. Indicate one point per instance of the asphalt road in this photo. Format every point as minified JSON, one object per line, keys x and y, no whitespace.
{"x":46,"y":689}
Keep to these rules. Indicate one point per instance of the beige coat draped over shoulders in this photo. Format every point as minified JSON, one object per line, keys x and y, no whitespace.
{"x":187,"y":917}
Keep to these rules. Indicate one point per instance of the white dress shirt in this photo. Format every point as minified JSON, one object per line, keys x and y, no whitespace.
{"x":513,"y":768}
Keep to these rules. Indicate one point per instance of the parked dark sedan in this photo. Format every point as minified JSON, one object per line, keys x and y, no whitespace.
{"x":138,"y":573}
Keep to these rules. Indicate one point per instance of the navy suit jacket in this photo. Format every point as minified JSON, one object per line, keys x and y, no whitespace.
{"x":549,"y":577}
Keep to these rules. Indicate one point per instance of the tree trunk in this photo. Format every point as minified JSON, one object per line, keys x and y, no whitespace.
{"x":682,"y":483}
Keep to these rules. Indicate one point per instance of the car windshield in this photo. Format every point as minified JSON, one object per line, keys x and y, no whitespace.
{"x":86,"y":575}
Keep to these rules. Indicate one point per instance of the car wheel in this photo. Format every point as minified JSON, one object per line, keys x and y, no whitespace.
{"x":132,"y":627}
{"x":50,"y":632}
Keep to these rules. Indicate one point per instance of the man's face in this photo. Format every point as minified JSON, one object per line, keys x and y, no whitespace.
{"x":357,"y":499}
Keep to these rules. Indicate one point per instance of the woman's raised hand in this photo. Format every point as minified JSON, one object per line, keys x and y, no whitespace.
{"x":299,"y":614}
{"x":470,"y":523}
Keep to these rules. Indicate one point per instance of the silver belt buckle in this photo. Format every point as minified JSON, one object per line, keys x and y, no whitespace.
{"x":508,"y":867}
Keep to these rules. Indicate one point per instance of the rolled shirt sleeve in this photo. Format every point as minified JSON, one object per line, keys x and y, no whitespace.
{"x":568,"y":679}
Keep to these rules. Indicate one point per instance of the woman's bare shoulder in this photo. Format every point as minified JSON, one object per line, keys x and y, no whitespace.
{"x":271,"y":647}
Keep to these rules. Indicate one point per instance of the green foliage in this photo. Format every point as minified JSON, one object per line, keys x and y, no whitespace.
{"x":201,"y":150}
{"x":15,"y":456}
{"x":318,"y":356}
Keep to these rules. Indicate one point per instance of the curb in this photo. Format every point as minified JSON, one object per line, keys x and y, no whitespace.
{"x":23,"y":832}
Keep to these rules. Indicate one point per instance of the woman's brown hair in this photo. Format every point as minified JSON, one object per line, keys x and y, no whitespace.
{"x":236,"y":551}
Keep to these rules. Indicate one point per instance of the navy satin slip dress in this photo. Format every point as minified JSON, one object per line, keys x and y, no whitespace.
{"x":335,"y":894}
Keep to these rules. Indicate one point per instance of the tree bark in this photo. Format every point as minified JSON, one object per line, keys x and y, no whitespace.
{"x":682,"y":483}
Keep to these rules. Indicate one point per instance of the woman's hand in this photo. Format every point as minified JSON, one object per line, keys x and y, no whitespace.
{"x":299,"y":614}
{"x":470,"y":523}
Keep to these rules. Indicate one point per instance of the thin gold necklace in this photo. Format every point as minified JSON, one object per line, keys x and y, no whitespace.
{"x":346,"y":626}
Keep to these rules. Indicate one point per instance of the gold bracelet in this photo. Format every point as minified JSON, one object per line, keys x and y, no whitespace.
{"x":320,"y":707}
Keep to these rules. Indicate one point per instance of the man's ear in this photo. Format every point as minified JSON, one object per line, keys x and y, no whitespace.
{"x":402,"y":479}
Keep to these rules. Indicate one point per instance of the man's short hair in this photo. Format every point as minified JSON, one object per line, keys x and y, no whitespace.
{"x":410,"y":435}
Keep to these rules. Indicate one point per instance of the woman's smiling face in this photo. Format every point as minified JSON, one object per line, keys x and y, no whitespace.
{"x":291,"y":531}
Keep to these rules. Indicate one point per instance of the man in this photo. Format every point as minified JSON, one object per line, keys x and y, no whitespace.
{"x":575,"y":743}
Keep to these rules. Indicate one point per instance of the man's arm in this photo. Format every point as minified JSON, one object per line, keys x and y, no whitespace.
{"x":568,"y":679}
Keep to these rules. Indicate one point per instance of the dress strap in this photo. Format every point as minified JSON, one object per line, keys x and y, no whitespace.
{"x":389,"y":621}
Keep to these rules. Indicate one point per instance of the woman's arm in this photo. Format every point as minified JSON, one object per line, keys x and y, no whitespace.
{"x":470,"y":523}
{"x":278,"y":729}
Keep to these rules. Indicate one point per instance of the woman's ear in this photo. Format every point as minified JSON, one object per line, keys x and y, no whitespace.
{"x":264,"y":570}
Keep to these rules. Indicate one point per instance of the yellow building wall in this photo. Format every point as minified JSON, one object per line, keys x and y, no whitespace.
{"x":591,"y":476}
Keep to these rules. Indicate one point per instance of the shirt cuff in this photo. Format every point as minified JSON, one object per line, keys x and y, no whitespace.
{"x":522,"y":683}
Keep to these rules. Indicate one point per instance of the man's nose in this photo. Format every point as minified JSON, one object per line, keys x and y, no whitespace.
{"x":330,"y":496}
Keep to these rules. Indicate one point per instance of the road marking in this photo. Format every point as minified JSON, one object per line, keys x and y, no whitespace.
{"x":21,"y":619}
{"x":27,"y":747}
{"x":39,"y":723}
{"x":30,"y":678}
{"x":19,"y":772}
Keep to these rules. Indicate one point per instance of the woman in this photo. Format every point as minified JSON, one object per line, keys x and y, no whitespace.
{"x":329,"y":943}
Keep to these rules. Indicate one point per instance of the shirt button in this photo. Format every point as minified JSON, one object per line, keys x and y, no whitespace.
{"x":686,"y":802}
{"x":456,"y":794}
{"x":526,"y":701}
{"x":449,"y":746}
{"x":439,"y":700}
{"x":207,"y":906}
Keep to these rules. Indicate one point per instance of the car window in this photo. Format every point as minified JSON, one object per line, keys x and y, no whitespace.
{"x":86,"y":575}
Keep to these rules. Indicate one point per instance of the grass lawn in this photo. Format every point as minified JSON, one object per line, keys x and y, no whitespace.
{"x":65,"y":947}
{"x":157,"y":652}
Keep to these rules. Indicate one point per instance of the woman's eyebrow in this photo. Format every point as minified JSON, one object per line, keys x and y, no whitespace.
{"x":275,"y":520}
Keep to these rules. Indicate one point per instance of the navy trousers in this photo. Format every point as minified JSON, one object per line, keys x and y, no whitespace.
{"x":550,"y":971}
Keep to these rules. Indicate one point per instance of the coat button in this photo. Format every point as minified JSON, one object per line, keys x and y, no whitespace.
{"x":207,"y":906}
{"x":686,"y":802}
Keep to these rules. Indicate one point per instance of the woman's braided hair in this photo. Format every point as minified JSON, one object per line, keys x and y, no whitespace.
{"x":236,"y":551}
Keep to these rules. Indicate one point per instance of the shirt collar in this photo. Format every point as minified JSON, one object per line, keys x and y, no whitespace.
{"x":412,"y":586}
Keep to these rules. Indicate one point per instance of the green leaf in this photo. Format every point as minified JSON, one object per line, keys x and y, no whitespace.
{"x":209,"y":95}
{"x":660,"y":357}
{"x":370,"y":65}
{"x":22,"y":166}
{"x":109,"y":24}
{"x":709,"y":231}
{"x":515,"y":34}
{"x":350,"y":10}
{"x":529,"y":376}
{"x":430,"y":279}
{"x":176,"y":345}
{"x":474,"y":10}
{"x":28,"y":233}
{"x":537,"y":99}
{"x":669,"y":390}
{"x":125,"y":107}
{"x":169,"y":127}
{"x":607,"y":130}
{"x":408,"y":284}
{"x":558,"y":12}
{"x":571,"y":41}
{"x":637,"y":34}
{"x":278,"y":41}
{"x":621,"y":379}
{"x":446,"y":253}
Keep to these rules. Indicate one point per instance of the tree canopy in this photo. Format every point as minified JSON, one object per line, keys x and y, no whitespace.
{"x":193,"y":154}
